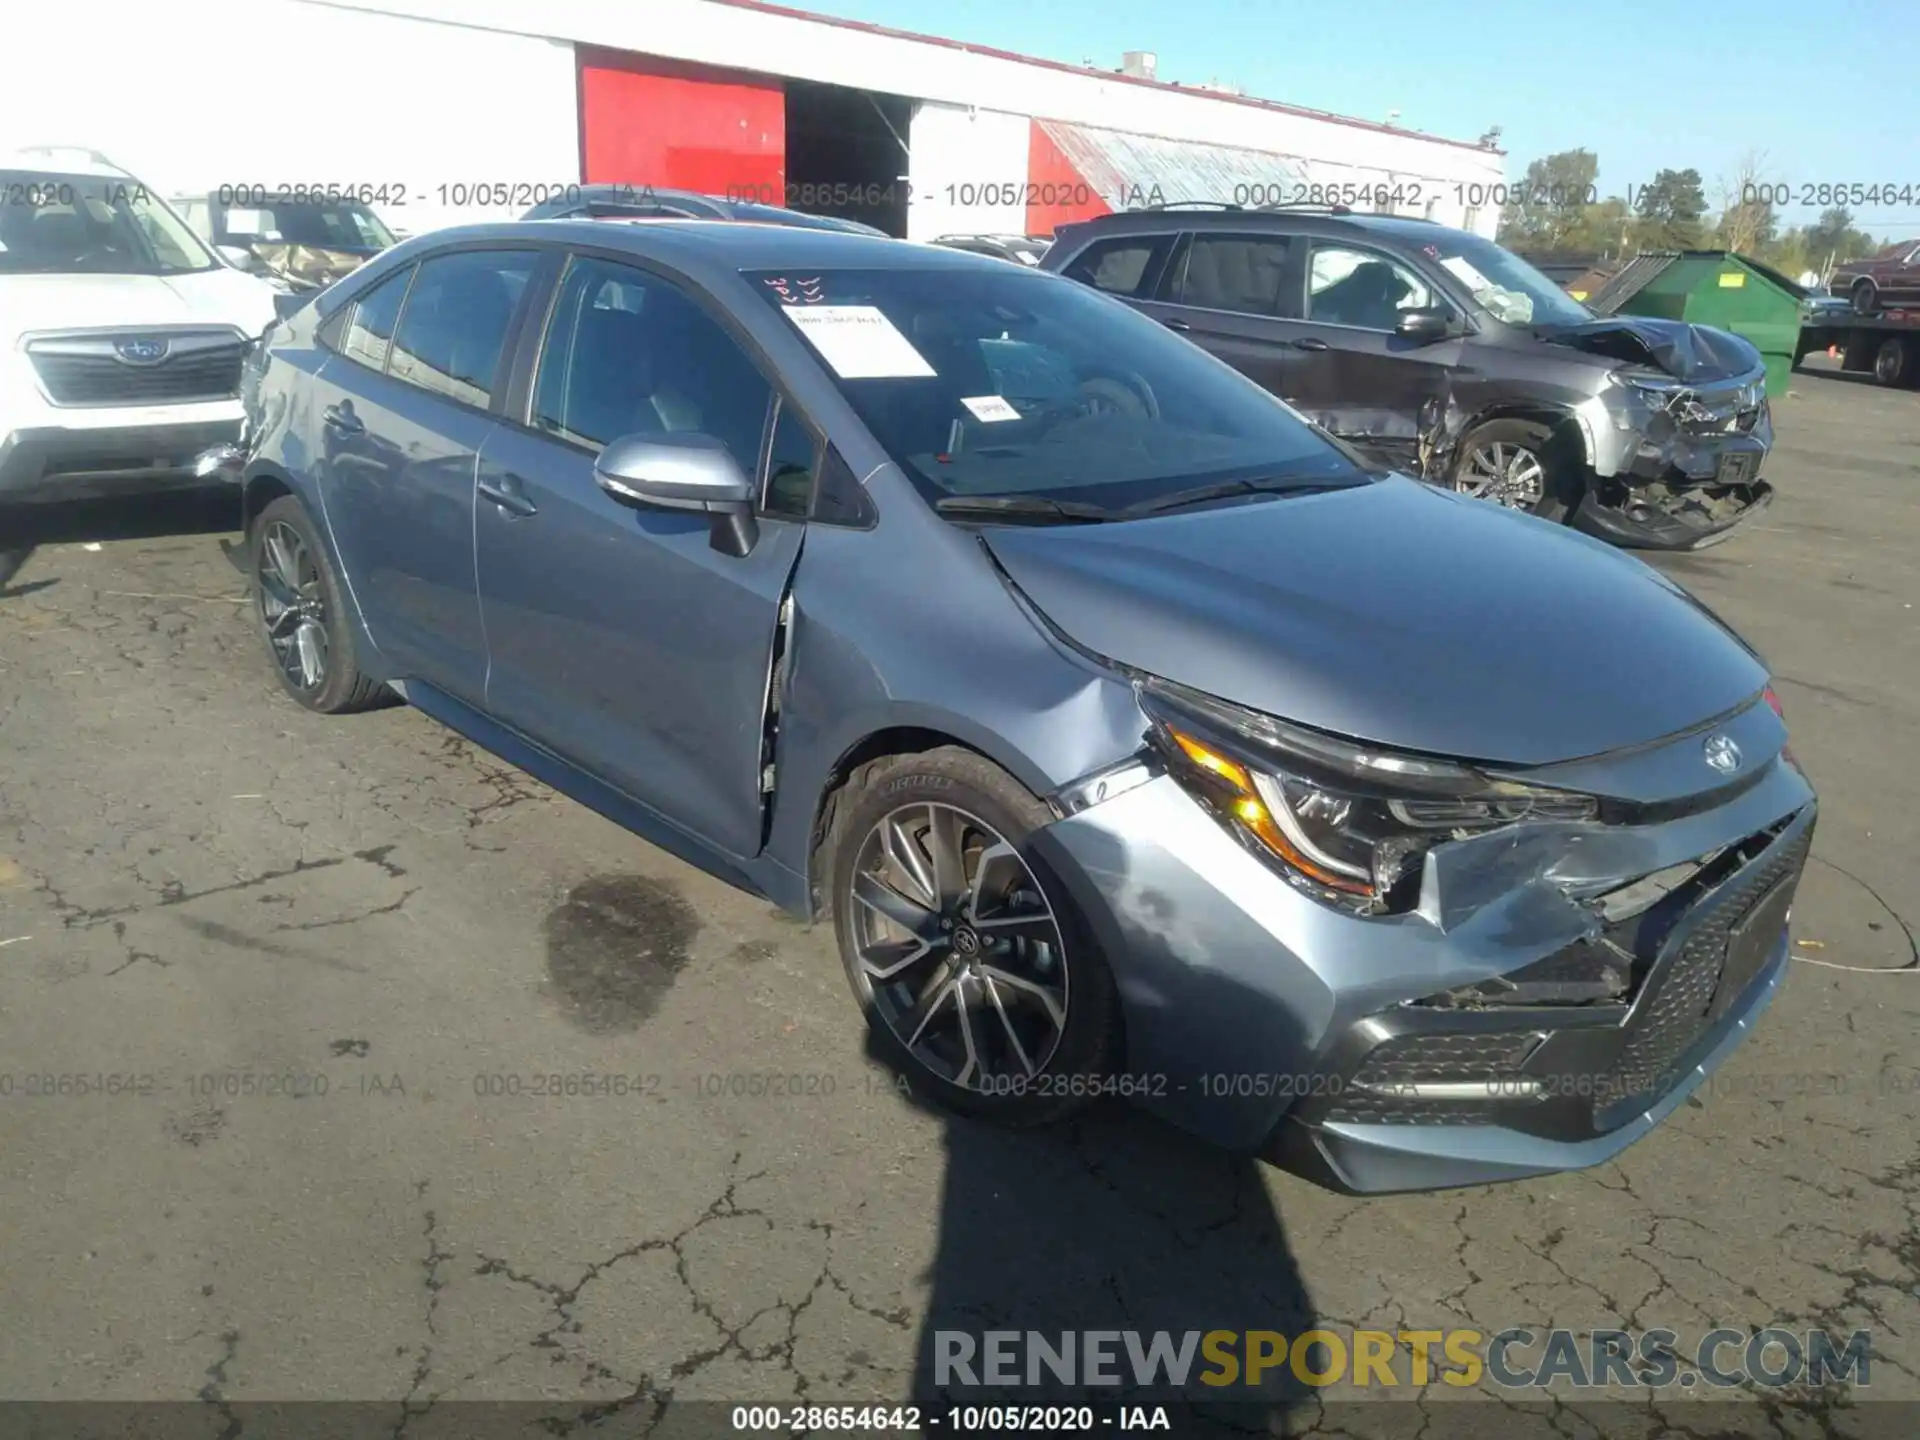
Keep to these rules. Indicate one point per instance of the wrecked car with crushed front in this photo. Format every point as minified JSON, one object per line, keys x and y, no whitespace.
{"x":1441,"y":354}
{"x":1134,"y":739}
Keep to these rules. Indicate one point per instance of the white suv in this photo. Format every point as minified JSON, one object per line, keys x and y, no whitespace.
{"x":121,"y":334}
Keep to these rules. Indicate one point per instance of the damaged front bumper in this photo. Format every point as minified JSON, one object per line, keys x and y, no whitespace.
{"x":1559,"y":989}
{"x":1675,"y":466}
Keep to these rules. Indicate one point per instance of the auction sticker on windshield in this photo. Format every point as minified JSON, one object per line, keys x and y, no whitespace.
{"x":859,"y":342}
{"x":989,"y":407}
{"x":1467,"y":271}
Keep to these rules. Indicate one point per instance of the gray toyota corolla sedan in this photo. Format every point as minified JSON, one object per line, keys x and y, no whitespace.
{"x":1136,"y":739}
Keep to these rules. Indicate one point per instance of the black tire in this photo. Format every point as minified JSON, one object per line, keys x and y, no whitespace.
{"x":1561,"y":479}
{"x":342,"y":688}
{"x":1893,"y":361}
{"x":1088,"y":1040}
{"x":1864,"y":296}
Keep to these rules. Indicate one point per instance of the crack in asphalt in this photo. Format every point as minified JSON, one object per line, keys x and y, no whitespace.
{"x":213,"y":1392}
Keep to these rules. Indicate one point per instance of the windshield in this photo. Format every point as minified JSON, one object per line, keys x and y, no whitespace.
{"x":1000,"y":381}
{"x":1510,"y":288}
{"x":52,"y":224}
{"x":333,"y":225}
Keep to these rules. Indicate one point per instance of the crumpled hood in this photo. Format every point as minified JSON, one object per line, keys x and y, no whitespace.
{"x":1397,"y":614}
{"x":219,"y":296}
{"x":1698,"y":354}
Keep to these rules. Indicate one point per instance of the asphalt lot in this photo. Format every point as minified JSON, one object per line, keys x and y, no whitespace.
{"x":198,"y":880}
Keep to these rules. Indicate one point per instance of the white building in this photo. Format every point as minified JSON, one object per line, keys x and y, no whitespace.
{"x":444,"y":111}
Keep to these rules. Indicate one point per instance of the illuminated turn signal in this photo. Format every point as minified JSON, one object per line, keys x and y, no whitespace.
{"x":1247,"y":807}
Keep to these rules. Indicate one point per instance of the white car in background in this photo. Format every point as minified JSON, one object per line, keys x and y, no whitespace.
{"x":121,"y":334}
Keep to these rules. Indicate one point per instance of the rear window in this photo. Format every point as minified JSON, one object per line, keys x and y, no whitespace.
{"x":1127,"y":265}
{"x":1234,"y":272}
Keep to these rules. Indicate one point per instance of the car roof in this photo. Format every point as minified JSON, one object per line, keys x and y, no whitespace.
{"x":1405,"y":228}
{"x":724,"y":244}
{"x":61,"y":160}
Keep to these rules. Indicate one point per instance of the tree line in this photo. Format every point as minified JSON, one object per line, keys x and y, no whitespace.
{"x":1555,"y":210}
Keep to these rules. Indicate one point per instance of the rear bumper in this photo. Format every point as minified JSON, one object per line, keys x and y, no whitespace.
{"x":58,"y":463}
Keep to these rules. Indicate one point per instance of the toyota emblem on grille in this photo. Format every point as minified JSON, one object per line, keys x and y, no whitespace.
{"x":1722,"y":754}
{"x":142,"y":351}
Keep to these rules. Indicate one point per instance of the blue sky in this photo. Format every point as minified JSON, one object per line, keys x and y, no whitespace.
{"x":1828,"y":92}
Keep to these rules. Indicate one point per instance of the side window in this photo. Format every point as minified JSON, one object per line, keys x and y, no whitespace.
{"x":455,"y":325}
{"x":1362,"y":288}
{"x":1124,"y":265}
{"x":1235,"y":272}
{"x":627,"y":353}
{"x":370,"y":330}
{"x":791,"y":460}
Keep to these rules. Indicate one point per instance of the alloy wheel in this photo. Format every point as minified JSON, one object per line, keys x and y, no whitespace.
{"x":1505,"y":473}
{"x":960,"y":953}
{"x":292,"y":607}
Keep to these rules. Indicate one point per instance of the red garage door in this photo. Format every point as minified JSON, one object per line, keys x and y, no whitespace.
{"x":648,"y":121}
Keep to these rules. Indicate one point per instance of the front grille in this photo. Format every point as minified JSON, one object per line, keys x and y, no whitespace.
{"x":1482,"y":1063}
{"x":1367,"y":1107}
{"x":207,"y":372}
{"x":1553,"y":1057}
{"x":1675,"y":1010}
{"x":1446,"y":1057}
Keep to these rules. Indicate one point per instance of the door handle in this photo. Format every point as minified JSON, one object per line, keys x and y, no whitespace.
{"x":509,"y":492}
{"x":1176,"y":324}
{"x":341,"y":419}
{"x":1311,"y":342}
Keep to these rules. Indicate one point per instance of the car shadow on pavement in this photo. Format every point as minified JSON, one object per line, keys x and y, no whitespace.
{"x":1116,"y":1222}
{"x":24,"y":529}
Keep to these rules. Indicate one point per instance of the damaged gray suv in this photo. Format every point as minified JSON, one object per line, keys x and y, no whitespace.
{"x":1136,"y":740}
{"x":1440,"y":354}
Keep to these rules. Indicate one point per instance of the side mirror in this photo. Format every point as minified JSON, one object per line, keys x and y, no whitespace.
{"x":683,"y":472}
{"x":1423,"y":326}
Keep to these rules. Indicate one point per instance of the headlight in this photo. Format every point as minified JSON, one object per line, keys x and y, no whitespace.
{"x":1348,"y":823}
{"x":1633,"y":400}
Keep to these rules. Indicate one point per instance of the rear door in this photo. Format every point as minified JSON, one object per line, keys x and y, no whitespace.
{"x":1353,"y":375}
{"x":619,"y":638}
{"x":1222,"y":291}
{"x":405,"y":412}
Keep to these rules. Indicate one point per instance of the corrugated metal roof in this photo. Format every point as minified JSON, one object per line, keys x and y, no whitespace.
{"x":766,"y":7}
{"x":1125,"y":169}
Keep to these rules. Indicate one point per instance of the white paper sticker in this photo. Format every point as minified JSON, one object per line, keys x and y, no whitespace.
{"x":247,"y":222}
{"x":989,"y":407}
{"x":858,"y":341}
{"x":1465,"y":269}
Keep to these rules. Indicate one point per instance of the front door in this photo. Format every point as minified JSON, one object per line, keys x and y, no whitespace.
{"x":1355,"y":376}
{"x":404,"y":414}
{"x":618,"y":637}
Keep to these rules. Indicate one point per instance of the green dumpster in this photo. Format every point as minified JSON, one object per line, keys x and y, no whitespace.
{"x":1717,"y":288}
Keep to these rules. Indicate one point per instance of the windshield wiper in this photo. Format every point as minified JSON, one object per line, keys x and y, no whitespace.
{"x":1024,"y":506}
{"x":1226,"y":489}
